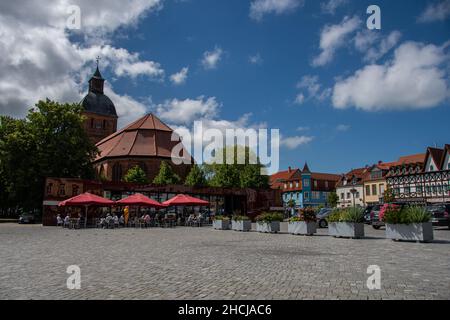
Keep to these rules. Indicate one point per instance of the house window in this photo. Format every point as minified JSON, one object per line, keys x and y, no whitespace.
{"x":117,"y":172}
{"x":374,"y":189}
{"x":296,"y":184}
{"x":357,"y":194}
{"x":306,"y":195}
{"x":407,"y":190}
{"x":290,"y":185}
{"x":285,"y":186}
{"x":381,"y":189}
{"x":342,"y":196}
{"x":368,"y":190}
{"x":49,"y":188}
{"x":431,"y":168}
{"x":306,"y":183}
{"x":326,"y":184}
{"x":419,"y":189}
{"x":315,"y":184}
{"x":104,"y":124}
{"x":62,"y":190}
{"x":348,"y":195}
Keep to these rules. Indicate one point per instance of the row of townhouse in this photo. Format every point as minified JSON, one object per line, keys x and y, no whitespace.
{"x":419,"y":178}
{"x":304,"y":188}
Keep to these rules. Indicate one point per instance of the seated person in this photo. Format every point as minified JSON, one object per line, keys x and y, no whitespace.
{"x":66,"y":220}
{"x":121,"y":220}
{"x":147,"y":219}
{"x":59,"y":220}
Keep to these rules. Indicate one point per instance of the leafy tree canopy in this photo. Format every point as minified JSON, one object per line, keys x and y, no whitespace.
{"x":136,"y":175}
{"x":166,"y":175}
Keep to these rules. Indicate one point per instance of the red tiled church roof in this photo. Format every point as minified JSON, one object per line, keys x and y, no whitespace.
{"x":146,"y":137}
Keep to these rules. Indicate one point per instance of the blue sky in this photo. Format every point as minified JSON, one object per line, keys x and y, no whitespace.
{"x":315,"y":100}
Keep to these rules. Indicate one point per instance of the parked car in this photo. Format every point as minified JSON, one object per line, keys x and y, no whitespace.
{"x":27,"y":218}
{"x":322,"y":216}
{"x":366,"y":213}
{"x":440,"y":213}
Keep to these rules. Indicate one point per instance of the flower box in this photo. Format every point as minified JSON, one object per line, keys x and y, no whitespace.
{"x":241,"y":225}
{"x":410,"y":232}
{"x":268,"y":227}
{"x":302,"y":227}
{"x":221,"y":224}
{"x":346,"y":229}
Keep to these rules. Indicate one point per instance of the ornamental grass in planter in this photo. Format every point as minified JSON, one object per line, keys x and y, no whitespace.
{"x":269,"y":222}
{"x":412,"y":223}
{"x":346,"y":223}
{"x":304,"y":224}
{"x":241,"y":223}
{"x":221,"y":223}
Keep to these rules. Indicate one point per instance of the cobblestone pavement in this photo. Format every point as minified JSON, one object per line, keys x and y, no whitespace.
{"x":202,"y":263}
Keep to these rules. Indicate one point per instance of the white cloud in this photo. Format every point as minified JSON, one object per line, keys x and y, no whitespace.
{"x":179,"y":77}
{"x":256,"y":59}
{"x":414,"y":79}
{"x":333,"y":37}
{"x":186,"y":111}
{"x":40,"y":59}
{"x":295,"y":141}
{"x":438,"y":11}
{"x":259,"y":8}
{"x":314,"y":90}
{"x":343,"y":127}
{"x":128,"y":109}
{"x":303,"y":128}
{"x":331,"y":5}
{"x":212,"y":58}
{"x":373,"y":45}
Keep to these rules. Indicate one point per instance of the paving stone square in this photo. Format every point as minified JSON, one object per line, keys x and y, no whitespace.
{"x":202,"y":263}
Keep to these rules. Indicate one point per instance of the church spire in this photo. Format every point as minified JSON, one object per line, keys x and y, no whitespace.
{"x":96,"y":83}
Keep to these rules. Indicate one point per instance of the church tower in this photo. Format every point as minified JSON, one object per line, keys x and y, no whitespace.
{"x":99,"y":110}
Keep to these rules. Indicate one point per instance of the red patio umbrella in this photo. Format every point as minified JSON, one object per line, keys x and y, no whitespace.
{"x":86,"y":199}
{"x":185,"y":200}
{"x":141,"y":201}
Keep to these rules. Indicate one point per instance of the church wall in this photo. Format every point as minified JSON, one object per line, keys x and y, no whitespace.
{"x":99,"y":126}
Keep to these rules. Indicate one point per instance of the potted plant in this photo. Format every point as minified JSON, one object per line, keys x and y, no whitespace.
{"x":241,"y":223}
{"x":304,"y":224}
{"x":269,"y":222}
{"x":346,"y":223}
{"x":221,"y":223}
{"x":412,"y":223}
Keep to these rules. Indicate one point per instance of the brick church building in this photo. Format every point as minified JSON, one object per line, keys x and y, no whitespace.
{"x":145,"y":143}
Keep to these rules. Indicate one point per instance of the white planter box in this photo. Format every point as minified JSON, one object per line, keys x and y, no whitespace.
{"x":302,"y":227}
{"x":272,"y":227}
{"x":346,"y":229}
{"x":221,"y":224}
{"x":241,"y":225}
{"x":410,"y":232}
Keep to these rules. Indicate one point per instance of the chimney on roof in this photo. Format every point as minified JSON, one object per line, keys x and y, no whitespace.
{"x":289,"y":169}
{"x":380,"y":162}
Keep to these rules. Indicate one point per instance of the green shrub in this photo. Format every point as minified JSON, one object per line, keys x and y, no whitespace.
{"x":354,"y":215}
{"x":335,"y":216}
{"x":306,"y":214}
{"x":416,"y":214}
{"x":269,"y":217}
{"x":407,"y":215}
{"x":221,"y":218}
{"x":240,"y":218}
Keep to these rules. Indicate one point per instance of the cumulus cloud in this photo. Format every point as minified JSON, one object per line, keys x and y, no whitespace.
{"x":374,"y":45}
{"x":259,"y":8}
{"x":343,"y":127}
{"x":313,"y":89}
{"x":179,"y":77}
{"x":295,"y":141}
{"x":186,"y":111}
{"x":330,"y":6}
{"x":255,"y":59}
{"x":334,"y":37}
{"x":39,"y":58}
{"x":212,"y":58}
{"x":416,"y":78}
{"x":437,"y":11}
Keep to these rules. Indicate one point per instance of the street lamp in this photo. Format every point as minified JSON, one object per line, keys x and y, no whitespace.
{"x":353,"y":191}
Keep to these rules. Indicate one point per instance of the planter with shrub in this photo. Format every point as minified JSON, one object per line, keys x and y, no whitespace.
{"x":221,"y":223}
{"x":304,"y":224}
{"x":241,"y":223}
{"x":269,"y":222}
{"x":346,"y":223}
{"x":412,"y":223}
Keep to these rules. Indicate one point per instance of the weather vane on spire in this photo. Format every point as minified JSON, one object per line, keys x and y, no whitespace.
{"x":98,"y":60}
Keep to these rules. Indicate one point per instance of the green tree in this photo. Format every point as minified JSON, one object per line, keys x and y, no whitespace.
{"x":49,"y":142}
{"x":332,"y":199}
{"x":246,"y":174}
{"x":136,"y":175}
{"x":166,"y":175}
{"x":389,"y":195}
{"x":196,"y":177}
